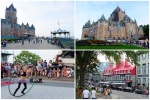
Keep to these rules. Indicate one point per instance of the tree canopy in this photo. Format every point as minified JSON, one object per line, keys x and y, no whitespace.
{"x":146,"y":30}
{"x":26,"y":57}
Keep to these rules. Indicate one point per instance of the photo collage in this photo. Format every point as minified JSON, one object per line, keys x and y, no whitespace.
{"x":74,"y":49}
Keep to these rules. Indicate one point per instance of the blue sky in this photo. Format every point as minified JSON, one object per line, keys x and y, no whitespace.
{"x":43,"y":14}
{"x":86,"y":10}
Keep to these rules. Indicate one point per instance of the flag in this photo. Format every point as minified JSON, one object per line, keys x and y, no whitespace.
{"x":58,"y":23}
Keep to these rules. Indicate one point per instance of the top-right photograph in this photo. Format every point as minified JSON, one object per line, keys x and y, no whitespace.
{"x":112,"y":25}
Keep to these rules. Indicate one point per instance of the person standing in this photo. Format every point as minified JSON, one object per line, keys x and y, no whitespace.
{"x":85,"y":93}
{"x":93,"y":93}
{"x":22,"y":41}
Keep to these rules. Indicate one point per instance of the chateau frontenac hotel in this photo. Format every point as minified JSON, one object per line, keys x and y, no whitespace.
{"x":118,"y":26}
{"x":10,"y":27}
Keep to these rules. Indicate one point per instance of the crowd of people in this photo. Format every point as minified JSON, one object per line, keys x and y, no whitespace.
{"x":34,"y":40}
{"x":46,"y":70}
{"x":144,"y":44}
{"x":42,"y":68}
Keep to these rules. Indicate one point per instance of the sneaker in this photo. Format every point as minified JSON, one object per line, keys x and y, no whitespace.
{"x":23,"y":93}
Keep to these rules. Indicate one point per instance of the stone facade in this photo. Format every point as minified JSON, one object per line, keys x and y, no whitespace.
{"x":118,"y":26}
{"x":143,"y":70}
{"x":10,"y":27}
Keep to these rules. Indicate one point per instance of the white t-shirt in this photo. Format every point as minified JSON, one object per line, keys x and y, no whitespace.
{"x":93,"y":92}
{"x":86,"y":93}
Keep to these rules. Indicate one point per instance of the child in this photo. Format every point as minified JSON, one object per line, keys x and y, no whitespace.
{"x":50,"y":73}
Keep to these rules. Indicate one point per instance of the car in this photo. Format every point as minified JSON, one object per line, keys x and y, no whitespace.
{"x":127,"y":89}
{"x":139,"y":91}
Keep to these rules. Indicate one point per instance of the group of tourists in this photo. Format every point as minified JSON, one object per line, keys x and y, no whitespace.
{"x":42,"y":68}
{"x":144,"y":44}
{"x":8,"y":69}
{"x":34,"y":40}
{"x":93,"y":94}
{"x":47,"y":70}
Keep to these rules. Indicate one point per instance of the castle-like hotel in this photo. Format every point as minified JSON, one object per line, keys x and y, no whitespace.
{"x":10,"y":27}
{"x":118,"y":26}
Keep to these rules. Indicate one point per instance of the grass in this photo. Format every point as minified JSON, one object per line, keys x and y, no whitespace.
{"x":109,"y":47}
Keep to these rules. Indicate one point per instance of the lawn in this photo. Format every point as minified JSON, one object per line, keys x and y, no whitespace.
{"x":101,"y":44}
{"x":109,"y":47}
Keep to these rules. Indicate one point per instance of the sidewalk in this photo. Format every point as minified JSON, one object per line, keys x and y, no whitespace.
{"x":114,"y":96}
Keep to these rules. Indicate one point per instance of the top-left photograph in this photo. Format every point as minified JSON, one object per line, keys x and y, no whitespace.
{"x":37,"y":24}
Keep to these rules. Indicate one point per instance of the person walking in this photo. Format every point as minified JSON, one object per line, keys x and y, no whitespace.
{"x":106,"y":93}
{"x":93,"y":93}
{"x":86,"y":94}
{"x":110,"y":93}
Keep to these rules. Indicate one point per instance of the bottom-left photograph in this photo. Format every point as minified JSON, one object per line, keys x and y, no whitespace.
{"x":37,"y":74}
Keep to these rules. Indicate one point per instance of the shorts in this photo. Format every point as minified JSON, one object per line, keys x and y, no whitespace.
{"x":22,"y":81}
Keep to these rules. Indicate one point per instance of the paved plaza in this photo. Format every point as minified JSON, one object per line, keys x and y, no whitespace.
{"x":45,"y":90}
{"x":31,"y":45}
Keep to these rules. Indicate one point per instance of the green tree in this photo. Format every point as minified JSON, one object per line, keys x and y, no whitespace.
{"x":86,"y":61}
{"x":146,"y":30}
{"x":26,"y":57}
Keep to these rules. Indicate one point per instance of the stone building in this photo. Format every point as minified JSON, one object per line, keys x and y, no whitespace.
{"x":118,"y":26}
{"x":10,"y":28}
{"x":143,"y":70}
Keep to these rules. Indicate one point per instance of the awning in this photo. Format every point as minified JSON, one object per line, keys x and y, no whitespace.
{"x":128,"y":81}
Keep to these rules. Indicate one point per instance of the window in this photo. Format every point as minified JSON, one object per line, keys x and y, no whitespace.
{"x":144,"y":56}
{"x":138,"y":69}
{"x":144,"y":80}
{"x":139,"y":58}
{"x":139,"y":80}
{"x":128,"y":70}
{"x":129,"y":77}
{"x":144,"y":68}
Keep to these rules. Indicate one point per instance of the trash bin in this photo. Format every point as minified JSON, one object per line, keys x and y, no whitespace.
{"x":31,"y":80}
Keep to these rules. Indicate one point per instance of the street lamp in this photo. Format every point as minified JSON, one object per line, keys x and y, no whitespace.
{"x":11,"y":33}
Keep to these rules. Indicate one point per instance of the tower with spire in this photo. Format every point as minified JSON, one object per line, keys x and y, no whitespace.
{"x":11,"y":14}
{"x":13,"y":28}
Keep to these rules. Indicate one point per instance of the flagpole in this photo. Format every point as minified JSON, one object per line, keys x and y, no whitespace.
{"x":58,"y":24}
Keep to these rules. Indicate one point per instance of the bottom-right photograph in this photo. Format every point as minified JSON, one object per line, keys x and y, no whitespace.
{"x":112,"y":74}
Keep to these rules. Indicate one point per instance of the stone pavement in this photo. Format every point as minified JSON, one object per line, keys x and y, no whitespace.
{"x":45,"y":90}
{"x":43,"y":45}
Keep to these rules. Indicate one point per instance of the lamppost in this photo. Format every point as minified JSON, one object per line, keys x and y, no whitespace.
{"x":11,"y":33}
